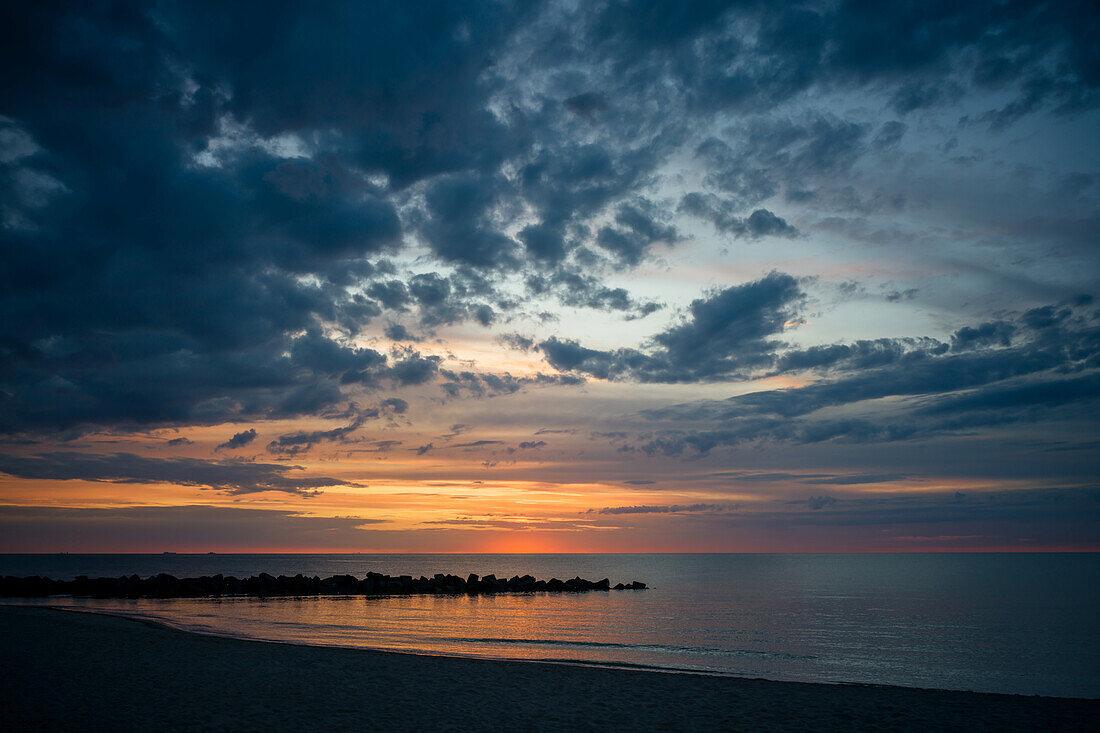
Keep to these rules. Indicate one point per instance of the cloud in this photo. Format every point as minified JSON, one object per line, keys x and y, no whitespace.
{"x":872,"y":478}
{"x":397,"y":332}
{"x":580,"y":290}
{"x":179,"y":528}
{"x":761,"y":223}
{"x":414,"y":369}
{"x":302,"y":441}
{"x":532,"y":444}
{"x":637,"y":230}
{"x":395,"y":405}
{"x":661,"y":509}
{"x":239,"y":440}
{"x":1034,"y":367}
{"x":457,"y":225}
{"x":516,"y":341}
{"x":899,"y":295}
{"x":916,"y":51}
{"x":471,"y":384}
{"x":228,"y":476}
{"x":586,"y":104}
{"x":724,"y":336}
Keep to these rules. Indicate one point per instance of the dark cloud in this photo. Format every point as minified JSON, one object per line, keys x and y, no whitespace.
{"x":580,"y":290}
{"x":1034,"y":367}
{"x":414,"y":369}
{"x":921,"y":51}
{"x":856,"y":480}
{"x":860,"y":355}
{"x":570,"y":183}
{"x":379,"y":446}
{"x":764,"y":156}
{"x":179,"y":528}
{"x":172,"y":238}
{"x":458,"y":225}
{"x":723,"y":336}
{"x":517,"y":341}
{"x":996,"y":333}
{"x":443,"y":300}
{"x":890,"y":134}
{"x":395,"y":406}
{"x":302,"y":441}
{"x":532,"y":444}
{"x":637,"y":230}
{"x":761,"y":223}
{"x":397,"y":332}
{"x":228,"y":476}
{"x":239,"y":440}
{"x":202,"y":205}
{"x":471,"y":384}
{"x":895,"y":296}
{"x":661,"y":509}
{"x":586,"y":104}
{"x":391,"y":293}
{"x":478,"y":444}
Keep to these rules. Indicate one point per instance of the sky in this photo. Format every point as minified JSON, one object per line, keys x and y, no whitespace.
{"x":610,"y":276}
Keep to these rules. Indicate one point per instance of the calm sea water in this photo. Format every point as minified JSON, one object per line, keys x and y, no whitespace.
{"x":1017,"y":623}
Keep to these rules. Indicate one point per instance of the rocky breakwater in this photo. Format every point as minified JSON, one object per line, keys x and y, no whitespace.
{"x":374,"y":584}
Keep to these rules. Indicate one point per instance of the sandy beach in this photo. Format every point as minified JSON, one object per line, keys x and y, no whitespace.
{"x":79,"y":671}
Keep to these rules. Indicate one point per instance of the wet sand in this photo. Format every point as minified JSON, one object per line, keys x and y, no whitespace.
{"x":78,"y":671}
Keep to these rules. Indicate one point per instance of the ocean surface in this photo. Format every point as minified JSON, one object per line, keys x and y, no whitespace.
{"x":1014,"y":623}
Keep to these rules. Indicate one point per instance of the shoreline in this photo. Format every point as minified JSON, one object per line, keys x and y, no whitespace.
{"x":166,"y":625}
{"x":89,"y":670}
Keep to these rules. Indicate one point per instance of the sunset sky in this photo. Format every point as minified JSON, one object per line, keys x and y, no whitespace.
{"x":549,"y":277}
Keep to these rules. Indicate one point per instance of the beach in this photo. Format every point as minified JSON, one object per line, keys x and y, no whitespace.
{"x":82,"y":671}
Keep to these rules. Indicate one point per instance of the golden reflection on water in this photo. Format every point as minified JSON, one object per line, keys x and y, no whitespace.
{"x":514,"y":626}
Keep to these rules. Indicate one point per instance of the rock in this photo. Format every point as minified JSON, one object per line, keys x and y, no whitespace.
{"x":167,"y":586}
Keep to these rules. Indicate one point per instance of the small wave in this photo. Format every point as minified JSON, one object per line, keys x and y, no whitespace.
{"x":668,"y":648}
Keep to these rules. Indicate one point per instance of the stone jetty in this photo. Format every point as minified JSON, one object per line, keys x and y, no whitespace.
{"x":373,"y":584}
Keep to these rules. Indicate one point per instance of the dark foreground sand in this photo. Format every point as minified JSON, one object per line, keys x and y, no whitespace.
{"x":75,"y":671}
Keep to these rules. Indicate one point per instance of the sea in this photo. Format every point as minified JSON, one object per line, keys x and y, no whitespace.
{"x":1010,"y":623}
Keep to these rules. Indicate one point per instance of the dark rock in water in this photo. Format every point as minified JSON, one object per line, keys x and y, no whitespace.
{"x":167,"y":586}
